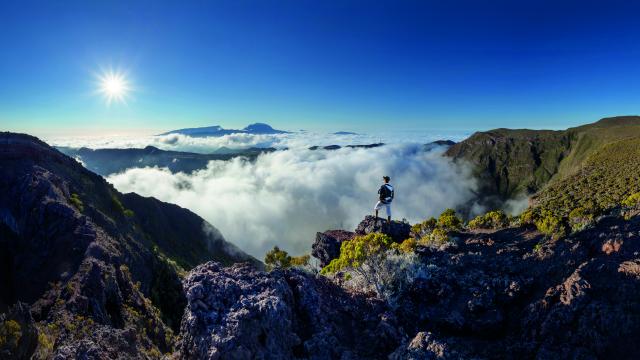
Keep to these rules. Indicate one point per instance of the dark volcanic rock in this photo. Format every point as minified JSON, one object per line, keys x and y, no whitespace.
{"x":93,"y":272}
{"x":327,"y":245}
{"x":240,"y":313}
{"x":397,"y":230}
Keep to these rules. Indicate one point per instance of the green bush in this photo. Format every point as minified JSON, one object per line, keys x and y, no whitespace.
{"x":10,"y":334}
{"x":491,"y":220}
{"x":354,"y":252}
{"x":76,"y":202}
{"x":408,"y":246}
{"x":529,"y":217}
{"x":632,"y":200}
{"x":579,"y":218}
{"x":449,"y":221}
{"x":302,"y":260}
{"x":550,"y":225}
{"x":277,"y":258}
{"x":418,"y":230}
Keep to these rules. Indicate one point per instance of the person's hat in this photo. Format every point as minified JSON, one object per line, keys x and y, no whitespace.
{"x":386,"y":178}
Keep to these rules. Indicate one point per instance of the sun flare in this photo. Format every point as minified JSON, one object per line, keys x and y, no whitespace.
{"x":114,"y":86}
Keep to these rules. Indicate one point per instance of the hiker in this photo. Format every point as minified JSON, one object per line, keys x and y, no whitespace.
{"x":386,"y":197}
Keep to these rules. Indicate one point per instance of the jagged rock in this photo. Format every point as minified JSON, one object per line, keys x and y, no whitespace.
{"x":424,"y":346}
{"x":397,"y":230}
{"x":327,"y":245}
{"x":241,"y":313}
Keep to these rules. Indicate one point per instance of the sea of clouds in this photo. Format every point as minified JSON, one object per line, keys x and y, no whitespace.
{"x":295,"y":140}
{"x":283,"y":198}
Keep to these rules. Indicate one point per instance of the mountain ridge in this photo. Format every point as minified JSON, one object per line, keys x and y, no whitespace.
{"x":511,"y":162}
{"x":217,"y":130}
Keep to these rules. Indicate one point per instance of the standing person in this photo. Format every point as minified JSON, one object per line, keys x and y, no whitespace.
{"x":386,"y":197}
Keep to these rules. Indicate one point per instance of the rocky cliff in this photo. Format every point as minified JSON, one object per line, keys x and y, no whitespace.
{"x":99,"y":271}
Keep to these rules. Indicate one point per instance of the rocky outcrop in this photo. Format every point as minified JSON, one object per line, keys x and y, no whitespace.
{"x":326,"y":247}
{"x":503,"y":294}
{"x":241,"y":313}
{"x":397,"y":230}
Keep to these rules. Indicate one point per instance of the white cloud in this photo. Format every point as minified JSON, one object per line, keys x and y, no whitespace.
{"x":283,"y":198}
{"x":298,"y":140}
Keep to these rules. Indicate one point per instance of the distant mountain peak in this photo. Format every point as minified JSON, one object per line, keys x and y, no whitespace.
{"x":217,"y":130}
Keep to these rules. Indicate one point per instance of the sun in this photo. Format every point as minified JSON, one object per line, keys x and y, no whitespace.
{"x":114,"y":86}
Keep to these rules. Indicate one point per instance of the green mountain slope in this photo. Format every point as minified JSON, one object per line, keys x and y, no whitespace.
{"x":513,"y":162}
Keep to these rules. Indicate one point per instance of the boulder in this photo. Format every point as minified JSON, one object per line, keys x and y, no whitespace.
{"x":240,"y":313}
{"x":327,"y":245}
{"x":397,"y":230}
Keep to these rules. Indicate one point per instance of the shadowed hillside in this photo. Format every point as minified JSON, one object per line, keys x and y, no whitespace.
{"x":91,"y":263}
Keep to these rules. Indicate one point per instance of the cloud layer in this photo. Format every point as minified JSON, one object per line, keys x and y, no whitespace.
{"x":298,"y":140}
{"x":283,"y":198}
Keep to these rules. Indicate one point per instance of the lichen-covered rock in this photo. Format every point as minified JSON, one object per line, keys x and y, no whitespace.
{"x":397,"y":230}
{"x":326,"y":247}
{"x":241,"y":313}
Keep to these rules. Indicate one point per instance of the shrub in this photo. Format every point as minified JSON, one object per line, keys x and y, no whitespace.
{"x":528,"y":217}
{"x":76,"y":202}
{"x":419,"y":230}
{"x":449,"y":221}
{"x":491,"y":220}
{"x":277,"y":258}
{"x":10,"y":334}
{"x":436,"y":238}
{"x":302,"y":260}
{"x":354,"y":252}
{"x":579,"y":218}
{"x":129,"y":213}
{"x":632,"y":200}
{"x":408,"y":246}
{"x":389,"y":276}
{"x":550,"y":225}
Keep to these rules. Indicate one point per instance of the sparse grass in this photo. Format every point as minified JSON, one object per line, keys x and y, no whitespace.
{"x":76,"y":202}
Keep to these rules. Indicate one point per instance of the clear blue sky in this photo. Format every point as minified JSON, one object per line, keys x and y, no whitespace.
{"x":320,"y":65}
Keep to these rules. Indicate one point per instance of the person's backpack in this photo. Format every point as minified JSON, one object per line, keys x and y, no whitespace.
{"x":385,"y":193}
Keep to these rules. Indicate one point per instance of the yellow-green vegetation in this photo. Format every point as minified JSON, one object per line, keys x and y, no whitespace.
{"x":449,"y":221}
{"x":426,"y":226}
{"x":10,"y":334}
{"x":356,"y":251}
{"x":46,"y":340}
{"x":408,"y":246}
{"x":609,"y":178}
{"x":436,"y":238}
{"x":632,"y":200}
{"x":76,"y":202}
{"x":432,"y":232}
{"x":550,"y":225}
{"x":491,"y":220}
{"x":302,"y":260}
{"x":277,"y":258}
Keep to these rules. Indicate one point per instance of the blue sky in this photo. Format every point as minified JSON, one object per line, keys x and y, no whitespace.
{"x":318,"y":65}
